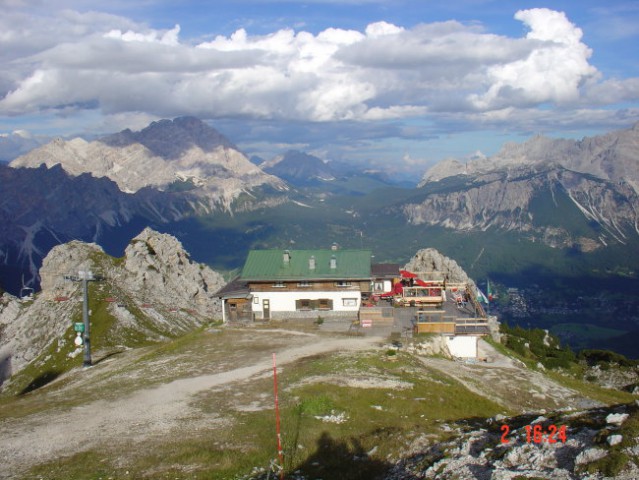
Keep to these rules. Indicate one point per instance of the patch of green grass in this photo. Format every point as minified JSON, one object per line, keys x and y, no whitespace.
{"x":571,"y":378}
{"x":87,"y":465}
{"x":45,"y":368}
{"x":379,"y":422}
{"x":610,"y":465}
{"x":320,"y":404}
{"x":591,"y":390}
{"x":617,"y":459}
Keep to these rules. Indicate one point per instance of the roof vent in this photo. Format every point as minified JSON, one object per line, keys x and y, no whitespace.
{"x":311,"y":263}
{"x":333,"y":262}
{"x":286,"y":257}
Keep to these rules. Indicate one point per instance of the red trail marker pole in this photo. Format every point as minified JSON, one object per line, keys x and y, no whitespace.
{"x":280,"y":454}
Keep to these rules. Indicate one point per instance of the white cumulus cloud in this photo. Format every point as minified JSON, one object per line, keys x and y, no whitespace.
{"x":92,"y":61}
{"x":167,"y":38}
{"x":553,"y":71}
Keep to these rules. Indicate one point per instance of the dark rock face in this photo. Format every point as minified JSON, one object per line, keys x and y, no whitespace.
{"x":171,"y":138}
{"x":44,"y":207}
{"x":547,"y":204}
{"x":300,"y":169}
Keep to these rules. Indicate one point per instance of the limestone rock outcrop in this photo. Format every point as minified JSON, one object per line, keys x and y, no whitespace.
{"x":430,"y":260}
{"x":156,"y":291}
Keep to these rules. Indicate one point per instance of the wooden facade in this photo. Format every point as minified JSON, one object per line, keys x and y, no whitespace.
{"x":312,"y":286}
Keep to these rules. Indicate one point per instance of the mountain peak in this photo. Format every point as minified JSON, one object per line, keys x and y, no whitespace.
{"x":299,"y":168}
{"x":171,"y":138}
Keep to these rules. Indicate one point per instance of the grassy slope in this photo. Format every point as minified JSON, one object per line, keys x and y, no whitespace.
{"x":381,"y":422}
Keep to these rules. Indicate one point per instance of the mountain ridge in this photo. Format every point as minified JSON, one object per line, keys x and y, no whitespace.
{"x":611,"y":156}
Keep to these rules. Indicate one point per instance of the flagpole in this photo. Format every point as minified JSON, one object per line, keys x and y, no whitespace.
{"x":277,"y":421}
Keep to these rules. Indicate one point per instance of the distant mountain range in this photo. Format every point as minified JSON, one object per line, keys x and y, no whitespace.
{"x":181,"y":168}
{"x":540,"y":211}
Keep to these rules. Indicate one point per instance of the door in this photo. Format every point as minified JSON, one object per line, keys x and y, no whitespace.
{"x":266,"y":308}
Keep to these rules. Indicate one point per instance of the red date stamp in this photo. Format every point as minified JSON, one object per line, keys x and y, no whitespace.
{"x":538,"y":434}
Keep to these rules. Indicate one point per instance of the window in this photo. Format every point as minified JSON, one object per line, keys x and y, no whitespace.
{"x":342,"y":283}
{"x":279,"y":285}
{"x":303,"y":304}
{"x":349,"y":302}
{"x":304,"y":284}
{"x":307,"y":304}
{"x":256,"y":300}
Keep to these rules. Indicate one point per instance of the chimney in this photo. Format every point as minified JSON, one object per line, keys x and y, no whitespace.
{"x":333,"y":262}
{"x":311,"y":263}
{"x":286,"y":257}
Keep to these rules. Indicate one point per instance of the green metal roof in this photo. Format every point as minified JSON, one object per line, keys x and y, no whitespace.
{"x":269,"y":265}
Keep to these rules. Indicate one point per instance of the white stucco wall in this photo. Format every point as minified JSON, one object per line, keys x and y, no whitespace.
{"x":285,"y":301}
{"x":382,"y":286}
{"x":463,"y":346}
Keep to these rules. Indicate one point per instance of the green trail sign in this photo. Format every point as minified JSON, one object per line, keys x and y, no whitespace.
{"x":78,"y":327}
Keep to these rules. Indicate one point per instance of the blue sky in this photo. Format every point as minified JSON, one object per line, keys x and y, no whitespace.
{"x":371,"y":82}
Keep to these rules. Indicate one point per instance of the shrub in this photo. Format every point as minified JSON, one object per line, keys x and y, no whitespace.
{"x":539,"y":345}
{"x":601,"y":357}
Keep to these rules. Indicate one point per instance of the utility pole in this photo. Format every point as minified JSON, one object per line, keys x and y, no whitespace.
{"x":85,"y":276}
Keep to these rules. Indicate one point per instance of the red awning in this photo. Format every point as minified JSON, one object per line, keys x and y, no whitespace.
{"x":407,"y":274}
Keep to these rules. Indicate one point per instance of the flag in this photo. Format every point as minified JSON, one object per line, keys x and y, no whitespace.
{"x":481,"y":297}
{"x":489,"y":291}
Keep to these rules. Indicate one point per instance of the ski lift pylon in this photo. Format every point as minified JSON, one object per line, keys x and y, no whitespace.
{"x":26,"y":293}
